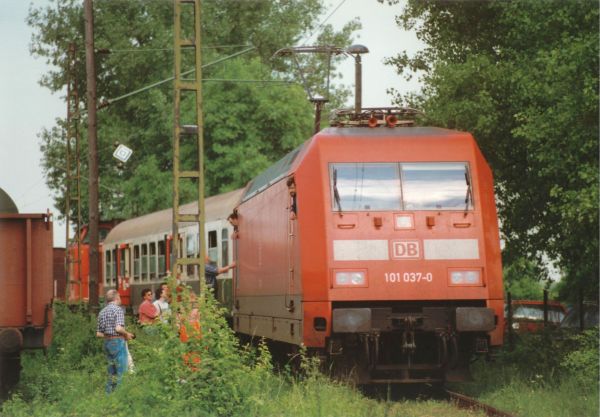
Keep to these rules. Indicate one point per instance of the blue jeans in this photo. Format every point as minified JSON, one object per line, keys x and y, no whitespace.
{"x":116,"y":355}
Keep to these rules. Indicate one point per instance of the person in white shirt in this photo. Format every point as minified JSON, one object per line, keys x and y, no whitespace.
{"x":162,"y":303}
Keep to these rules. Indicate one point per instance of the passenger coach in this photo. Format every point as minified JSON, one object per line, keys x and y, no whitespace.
{"x":137,"y":251}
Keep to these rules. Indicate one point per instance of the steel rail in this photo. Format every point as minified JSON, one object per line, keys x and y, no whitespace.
{"x":463,"y":401}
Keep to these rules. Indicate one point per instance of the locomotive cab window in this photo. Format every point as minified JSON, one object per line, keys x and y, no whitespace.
{"x":400,"y":186}
{"x":365,"y":186}
{"x":436,"y":186}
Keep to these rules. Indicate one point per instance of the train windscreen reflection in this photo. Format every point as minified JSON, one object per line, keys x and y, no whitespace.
{"x":435,"y":186}
{"x":367,"y":186}
{"x":400,"y":186}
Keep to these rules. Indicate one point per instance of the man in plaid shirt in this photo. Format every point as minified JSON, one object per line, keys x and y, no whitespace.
{"x":111,"y":327}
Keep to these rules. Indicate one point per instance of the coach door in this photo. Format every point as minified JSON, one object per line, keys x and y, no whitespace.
{"x":123,"y":273}
{"x":291,"y":243}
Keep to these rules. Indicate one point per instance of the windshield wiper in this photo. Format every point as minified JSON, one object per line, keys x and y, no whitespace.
{"x":469,"y":196}
{"x":336,"y":193}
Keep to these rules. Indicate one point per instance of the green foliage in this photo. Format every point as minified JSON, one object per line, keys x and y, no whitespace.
{"x":522,"y":76}
{"x":248,"y":125}
{"x":553,"y":374}
{"x":521,"y":279}
{"x":582,"y":362}
{"x":229,"y":380}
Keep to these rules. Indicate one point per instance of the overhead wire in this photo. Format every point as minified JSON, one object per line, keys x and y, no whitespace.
{"x":108,"y":102}
{"x":156,"y":84}
{"x":114,"y":51}
{"x":318,"y":28}
{"x":29,"y":188}
{"x":33,"y":202}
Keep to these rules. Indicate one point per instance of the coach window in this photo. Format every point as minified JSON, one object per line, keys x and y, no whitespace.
{"x":191,"y":251}
{"x":123,"y":270}
{"x":162,"y":266}
{"x":145,"y":262}
{"x":224,"y":247}
{"x":107,"y":268}
{"x":153,"y":260}
{"x":365,"y":186}
{"x":436,"y":186}
{"x":191,"y":245}
{"x":213,"y":249}
{"x":136,"y":263}
{"x":113,"y":269}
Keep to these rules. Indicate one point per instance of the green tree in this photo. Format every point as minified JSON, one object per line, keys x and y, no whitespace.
{"x":524,"y":279}
{"x":247,"y":125}
{"x":522,"y":76}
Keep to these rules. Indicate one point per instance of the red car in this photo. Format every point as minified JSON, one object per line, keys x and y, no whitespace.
{"x":528,"y":315}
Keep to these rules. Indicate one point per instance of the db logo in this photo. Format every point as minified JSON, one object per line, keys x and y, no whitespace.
{"x":406,"y":249}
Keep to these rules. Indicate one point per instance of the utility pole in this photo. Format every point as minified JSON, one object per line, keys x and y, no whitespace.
{"x":193,"y":133}
{"x":90,"y":67}
{"x":72,"y":181}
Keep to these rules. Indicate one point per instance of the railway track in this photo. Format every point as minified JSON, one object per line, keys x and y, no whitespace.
{"x":463,"y":401}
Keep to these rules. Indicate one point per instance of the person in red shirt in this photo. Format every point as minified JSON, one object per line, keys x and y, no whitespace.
{"x":147,"y":311}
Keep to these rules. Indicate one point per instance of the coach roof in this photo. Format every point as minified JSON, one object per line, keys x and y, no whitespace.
{"x":161,"y":222}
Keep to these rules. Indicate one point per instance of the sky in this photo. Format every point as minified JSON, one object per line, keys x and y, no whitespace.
{"x":26,"y":108}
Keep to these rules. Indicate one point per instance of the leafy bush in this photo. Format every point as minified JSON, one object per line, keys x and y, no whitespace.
{"x":69,"y":380}
{"x":582,"y":362}
{"x":549,"y":374}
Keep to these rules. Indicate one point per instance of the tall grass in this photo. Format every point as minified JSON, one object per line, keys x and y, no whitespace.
{"x":230,"y":380}
{"x":548,"y":374}
{"x":545,"y":375}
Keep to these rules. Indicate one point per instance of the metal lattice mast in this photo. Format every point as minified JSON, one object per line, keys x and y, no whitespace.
{"x":72,"y":182}
{"x":193,"y":86}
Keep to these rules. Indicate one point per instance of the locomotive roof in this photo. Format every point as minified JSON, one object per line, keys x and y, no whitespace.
{"x":281,"y":168}
{"x":216,"y":208}
{"x":272,"y":174}
{"x":7,"y":205}
{"x":397,"y":132}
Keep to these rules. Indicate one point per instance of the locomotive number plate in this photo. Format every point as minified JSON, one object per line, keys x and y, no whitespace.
{"x":408,"y":277}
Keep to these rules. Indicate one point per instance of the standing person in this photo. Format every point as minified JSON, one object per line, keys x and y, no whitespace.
{"x":162,"y":302}
{"x":211,"y":271}
{"x":234,"y":221}
{"x":111,"y":327}
{"x":147,"y":312}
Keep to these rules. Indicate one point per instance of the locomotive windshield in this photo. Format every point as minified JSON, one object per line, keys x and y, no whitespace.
{"x":365,"y":186}
{"x":400,"y":186}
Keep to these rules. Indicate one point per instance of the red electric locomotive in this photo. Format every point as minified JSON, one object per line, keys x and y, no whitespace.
{"x":377,"y":247}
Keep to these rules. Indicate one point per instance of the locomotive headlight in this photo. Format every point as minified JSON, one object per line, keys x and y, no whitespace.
{"x":461,"y":277}
{"x":350,"y":279}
